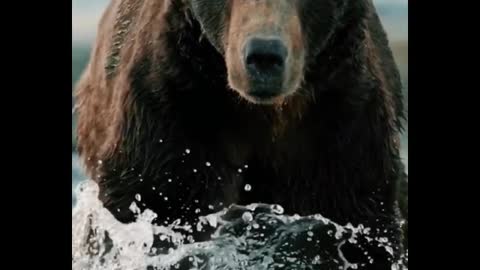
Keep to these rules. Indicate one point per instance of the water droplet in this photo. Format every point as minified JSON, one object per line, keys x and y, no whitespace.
{"x":153,"y":188}
{"x":277,"y":209}
{"x":210,"y":207}
{"x":187,"y":151}
{"x":169,"y":180}
{"x":207,"y":164}
{"x":134,"y":208}
{"x":310,"y":233}
{"x":240,"y":170}
{"x":195,"y":170}
{"x":161,"y":141}
{"x":166,"y":198}
{"x":219,"y":178}
{"x":247,"y":217}
{"x":100,"y":162}
{"x":246,"y":166}
{"x":248,"y":187}
{"x":197,"y":211}
{"x":138,"y":197}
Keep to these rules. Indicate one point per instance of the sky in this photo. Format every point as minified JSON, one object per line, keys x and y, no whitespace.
{"x":86,"y":14}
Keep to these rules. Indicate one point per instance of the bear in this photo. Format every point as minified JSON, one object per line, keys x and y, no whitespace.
{"x":189,"y":106}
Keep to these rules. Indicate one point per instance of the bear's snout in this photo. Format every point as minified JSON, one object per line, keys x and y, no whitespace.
{"x":264,"y":50}
{"x":264,"y":60}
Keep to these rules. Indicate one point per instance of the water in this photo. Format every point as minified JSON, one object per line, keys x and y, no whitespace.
{"x":254,"y":237}
{"x":77,"y":175}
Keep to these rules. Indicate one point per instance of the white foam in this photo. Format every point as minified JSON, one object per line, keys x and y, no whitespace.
{"x":130,"y":246}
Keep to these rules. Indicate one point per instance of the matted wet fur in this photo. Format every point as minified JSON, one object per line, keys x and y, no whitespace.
{"x":156,"y":104}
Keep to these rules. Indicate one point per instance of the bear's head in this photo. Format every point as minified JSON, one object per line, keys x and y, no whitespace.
{"x":266,"y":43}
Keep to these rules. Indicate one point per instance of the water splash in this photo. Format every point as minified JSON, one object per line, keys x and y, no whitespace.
{"x":253,"y":237}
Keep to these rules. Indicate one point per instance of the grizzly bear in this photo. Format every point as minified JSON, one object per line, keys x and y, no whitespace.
{"x":189,"y":106}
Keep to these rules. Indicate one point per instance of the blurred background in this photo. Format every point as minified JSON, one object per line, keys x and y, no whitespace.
{"x":86,"y":14}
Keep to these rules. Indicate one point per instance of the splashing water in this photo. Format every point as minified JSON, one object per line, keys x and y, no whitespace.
{"x":254,"y":237}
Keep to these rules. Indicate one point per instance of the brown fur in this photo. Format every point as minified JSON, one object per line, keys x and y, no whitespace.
{"x":116,"y":45}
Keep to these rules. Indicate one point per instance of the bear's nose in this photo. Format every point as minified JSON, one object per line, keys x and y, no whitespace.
{"x":265,"y":57}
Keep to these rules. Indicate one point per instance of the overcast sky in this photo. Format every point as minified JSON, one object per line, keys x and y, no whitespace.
{"x":86,"y":13}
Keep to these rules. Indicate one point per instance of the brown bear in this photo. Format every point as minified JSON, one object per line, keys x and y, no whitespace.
{"x":189,"y":106}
